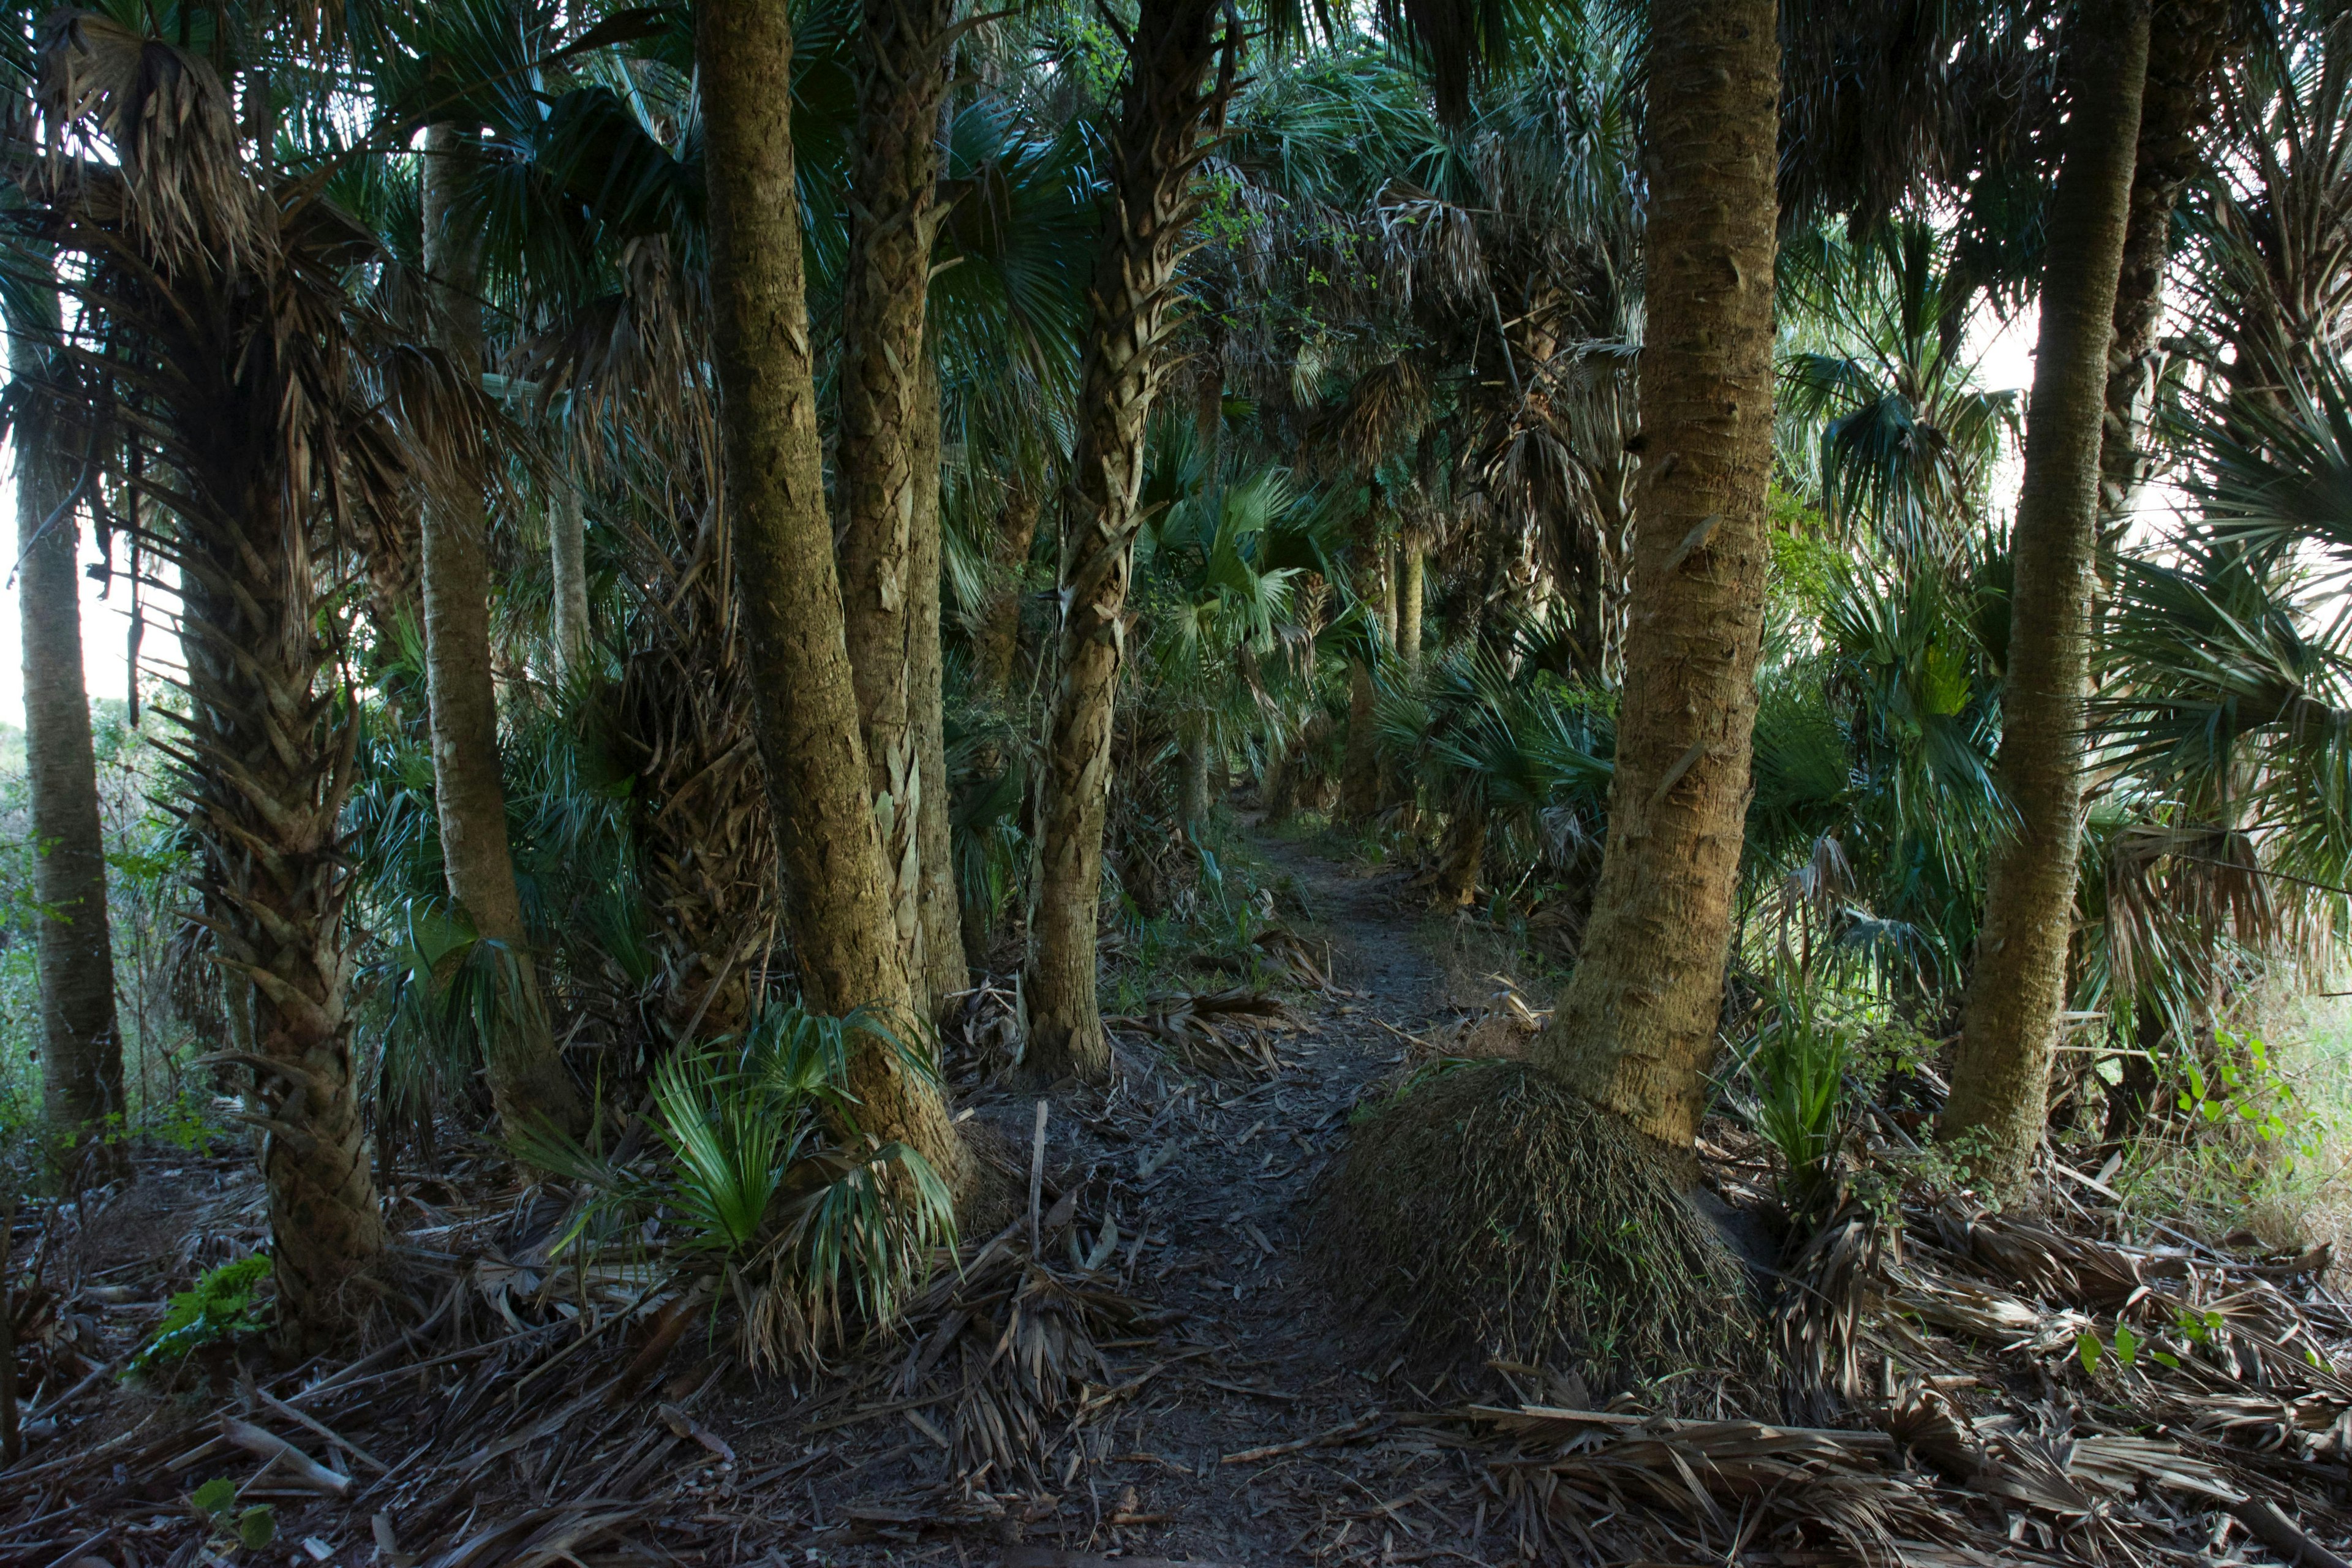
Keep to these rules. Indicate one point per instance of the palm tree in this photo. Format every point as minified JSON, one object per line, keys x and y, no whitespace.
{"x":2018,"y":988}
{"x":82,"y":1049}
{"x":838,"y":905}
{"x":526,"y":1074}
{"x":885,"y":461}
{"x":219,"y":340}
{"x":1165,"y":104}
{"x":1635,"y":1031}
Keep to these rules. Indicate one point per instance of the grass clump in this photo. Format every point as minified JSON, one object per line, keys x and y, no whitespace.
{"x":1490,"y":1213}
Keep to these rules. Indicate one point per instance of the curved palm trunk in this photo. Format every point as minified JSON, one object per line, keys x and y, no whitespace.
{"x":82,"y":1051}
{"x":2001,"y":1083}
{"x":1156,"y":144}
{"x":526,"y":1074}
{"x":1635,"y":1031}
{"x":894,"y":213}
{"x":838,"y":897}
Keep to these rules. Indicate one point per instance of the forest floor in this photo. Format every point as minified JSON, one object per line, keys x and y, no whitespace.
{"x":1143,"y":1367}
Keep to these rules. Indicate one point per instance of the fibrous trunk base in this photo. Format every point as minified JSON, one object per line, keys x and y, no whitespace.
{"x":1491,"y":1213}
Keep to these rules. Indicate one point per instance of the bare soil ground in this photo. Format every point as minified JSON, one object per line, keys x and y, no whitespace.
{"x":1142,"y":1369}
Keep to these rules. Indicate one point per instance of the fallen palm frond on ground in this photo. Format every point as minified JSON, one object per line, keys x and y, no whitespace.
{"x":1220,"y":1031}
{"x":1007,"y":1360}
{"x":1982,"y":1388}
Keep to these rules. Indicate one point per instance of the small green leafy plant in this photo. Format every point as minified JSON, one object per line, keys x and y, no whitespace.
{"x":1799,"y":1066}
{"x":251,"y":1528}
{"x":221,"y":1308}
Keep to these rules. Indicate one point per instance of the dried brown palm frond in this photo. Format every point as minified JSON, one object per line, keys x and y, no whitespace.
{"x":1828,"y":1290}
{"x":112,"y":98}
{"x":1219,"y":1031}
{"x":1011,"y":1343}
{"x":1574,"y":1473}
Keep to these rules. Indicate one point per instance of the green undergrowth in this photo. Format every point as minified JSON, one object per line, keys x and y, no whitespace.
{"x":1489,"y":1213}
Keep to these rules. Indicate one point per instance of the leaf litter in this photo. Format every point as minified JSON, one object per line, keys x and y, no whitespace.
{"x":1134,"y":1369}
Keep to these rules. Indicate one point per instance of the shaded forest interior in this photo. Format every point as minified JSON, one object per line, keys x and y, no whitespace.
{"x":1168,"y":782}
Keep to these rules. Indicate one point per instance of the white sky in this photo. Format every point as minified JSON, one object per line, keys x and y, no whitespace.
{"x":105,"y":623}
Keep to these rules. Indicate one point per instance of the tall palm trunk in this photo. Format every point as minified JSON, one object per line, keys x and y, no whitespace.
{"x":1635,"y":1031}
{"x":273,"y":735}
{"x":2187,"y":39}
{"x":1008,"y":552}
{"x":567,"y":552}
{"x":894,"y":213}
{"x":837,"y":897}
{"x":2000,"y":1086}
{"x":942,"y":905}
{"x":1410,"y":592}
{"x":1157,"y":143}
{"x":81,"y":1052}
{"x":526,"y":1074}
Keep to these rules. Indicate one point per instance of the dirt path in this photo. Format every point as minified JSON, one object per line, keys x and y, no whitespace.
{"x":1258,"y":1435}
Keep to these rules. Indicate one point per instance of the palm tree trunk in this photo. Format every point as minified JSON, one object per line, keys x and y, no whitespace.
{"x":1153,"y":152}
{"x":2001,"y":1083}
{"x":1635,"y":1031}
{"x":271,"y":753}
{"x":999,"y":629}
{"x":525,"y":1071}
{"x":943,"y":913}
{"x":82,"y":1051}
{"x":901,"y":79}
{"x":567,"y":549}
{"x":1409,"y":591}
{"x":837,"y":897}
{"x":2187,"y":39}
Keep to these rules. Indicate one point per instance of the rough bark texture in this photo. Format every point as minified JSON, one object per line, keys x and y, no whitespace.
{"x":838,"y":897}
{"x":704,"y":836}
{"x":1635,"y":1031}
{"x":567,"y":552}
{"x":1410,"y":592}
{"x":82,"y":1050}
{"x":901,"y":78}
{"x":525,"y":1071}
{"x":2001,"y":1083}
{"x":271,"y":741}
{"x":2187,"y":39}
{"x":1008,"y":554}
{"x":1152,"y":155}
{"x":942,"y":911}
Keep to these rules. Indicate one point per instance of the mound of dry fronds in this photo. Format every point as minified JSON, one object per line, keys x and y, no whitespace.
{"x":1489,"y":1211}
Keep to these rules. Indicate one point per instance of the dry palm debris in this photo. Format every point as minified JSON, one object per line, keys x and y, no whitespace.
{"x":1220,"y":1031}
{"x":1007,"y":1362}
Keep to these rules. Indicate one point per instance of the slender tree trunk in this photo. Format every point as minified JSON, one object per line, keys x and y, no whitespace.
{"x":1008,"y":549}
{"x":82,"y":1051}
{"x":1152,"y":155}
{"x":2002,"y":1084}
{"x":1635,"y":1031}
{"x":1410,"y":590}
{"x":901,"y":79}
{"x":1392,"y":571}
{"x":1461,"y":857}
{"x":1192,"y":780}
{"x":2187,"y":39}
{"x":525,"y":1070}
{"x":567,"y":546}
{"x":1359,"y":771}
{"x":837,"y":896}
{"x":942,"y":911}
